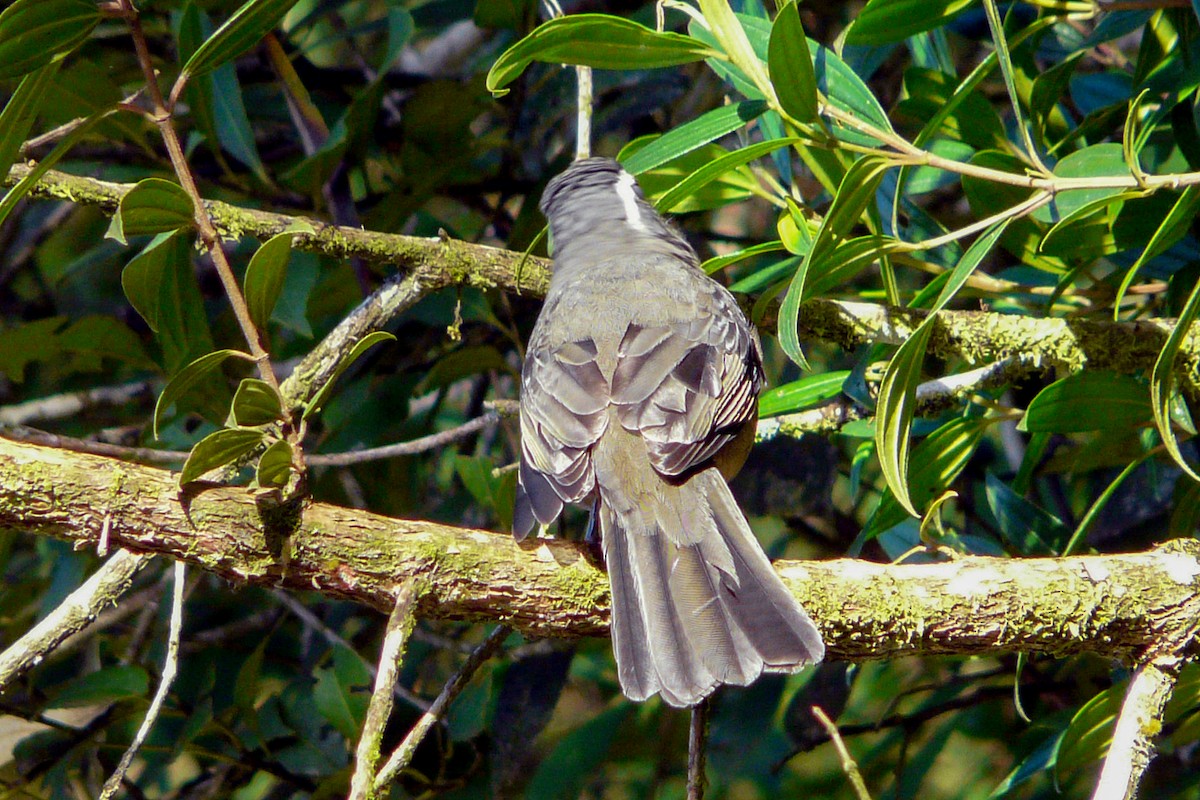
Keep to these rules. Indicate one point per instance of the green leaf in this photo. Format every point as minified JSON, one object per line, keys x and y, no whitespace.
{"x":791,"y":67}
{"x":718,"y":263}
{"x":1162,"y":380}
{"x":804,"y":393}
{"x":887,"y":21}
{"x":275,"y":465}
{"x":218,"y":449}
{"x":91,"y":339}
{"x":189,"y":378}
{"x":153,"y":206}
{"x":490,"y":491}
{"x":894,"y":412}
{"x":1032,"y":530}
{"x":1089,"y":401}
{"x":684,"y":139}
{"x":1043,"y":758}
{"x":1172,"y":229}
{"x":238,"y":34}
{"x":932,"y":467}
{"x":855,"y":192}
{"x":161,"y":285}
{"x":1089,"y":735}
{"x":255,"y":403}
{"x":361,"y":346}
{"x":567,"y":768}
{"x":249,"y":677}
{"x":1097,"y":161}
{"x":35,"y":32}
{"x":594,"y":40}
{"x":338,"y":705}
{"x":265,"y":276}
{"x":727,"y":28}
{"x":967,"y":264}
{"x":19,"y":112}
{"x":104,"y":686}
{"x":23,"y":186}
{"x":675,"y":196}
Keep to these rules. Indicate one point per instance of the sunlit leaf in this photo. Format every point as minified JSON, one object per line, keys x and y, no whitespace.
{"x":275,"y":465}
{"x":1162,"y":380}
{"x":253,"y":20}
{"x":152,"y":206}
{"x":1087,"y":738}
{"x":23,"y":186}
{"x":887,"y":21}
{"x":790,"y":63}
{"x":804,"y":393}
{"x":189,"y":378}
{"x":681,"y":140}
{"x":594,"y":40}
{"x":19,"y":112}
{"x":255,"y":403}
{"x":715,"y":169}
{"x":361,"y":346}
{"x":218,"y":449}
{"x":894,"y":412}
{"x":265,"y":276}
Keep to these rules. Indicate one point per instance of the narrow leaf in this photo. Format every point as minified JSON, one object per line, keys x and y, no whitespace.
{"x":22,"y":187}
{"x":1172,"y":229}
{"x":218,"y":449}
{"x":19,"y":112}
{"x":791,"y":67}
{"x":360,"y":347}
{"x":153,"y":206}
{"x":728,"y":30}
{"x":856,"y":190}
{"x":887,"y":21}
{"x":595,"y":40}
{"x":35,"y":32}
{"x":804,"y":393}
{"x":715,"y":169}
{"x":189,"y":377}
{"x":706,"y":128}
{"x":1162,"y":380}
{"x":238,"y":34}
{"x":969,"y":261}
{"x":265,"y":275}
{"x":894,"y":412}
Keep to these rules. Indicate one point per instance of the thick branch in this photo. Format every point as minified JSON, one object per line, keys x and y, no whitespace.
{"x":430,"y":264}
{"x":1116,"y":605}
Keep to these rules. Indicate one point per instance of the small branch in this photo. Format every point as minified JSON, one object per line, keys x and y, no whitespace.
{"x":170,"y":666}
{"x":61,"y":406}
{"x":1140,"y":721}
{"x":402,"y":755}
{"x":698,"y":749}
{"x":848,"y":764}
{"x":1119,"y":605}
{"x":423,"y":444}
{"x":391,"y":656}
{"x":208,"y":233}
{"x":75,"y":613}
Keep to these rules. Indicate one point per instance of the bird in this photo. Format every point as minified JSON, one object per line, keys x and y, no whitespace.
{"x":639,"y":397}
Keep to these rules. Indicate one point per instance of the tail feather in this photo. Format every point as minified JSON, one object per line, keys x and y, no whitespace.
{"x":696,"y":602}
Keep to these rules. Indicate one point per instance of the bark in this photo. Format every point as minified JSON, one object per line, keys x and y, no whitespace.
{"x":1117,"y":605}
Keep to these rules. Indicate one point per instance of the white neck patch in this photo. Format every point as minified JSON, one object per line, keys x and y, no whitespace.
{"x":625,"y":190}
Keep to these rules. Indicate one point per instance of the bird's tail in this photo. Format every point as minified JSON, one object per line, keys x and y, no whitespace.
{"x":695,"y":601}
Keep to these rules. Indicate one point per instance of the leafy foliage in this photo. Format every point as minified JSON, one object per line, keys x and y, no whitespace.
{"x":937,"y":165}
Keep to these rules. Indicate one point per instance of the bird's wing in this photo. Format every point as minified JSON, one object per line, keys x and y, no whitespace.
{"x":564,"y":396}
{"x":689,"y":386}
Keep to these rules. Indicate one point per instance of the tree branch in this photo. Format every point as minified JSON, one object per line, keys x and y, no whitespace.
{"x":1118,"y":605}
{"x":430,"y":264}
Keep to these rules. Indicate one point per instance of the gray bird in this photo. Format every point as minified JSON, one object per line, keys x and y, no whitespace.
{"x":639,"y":396}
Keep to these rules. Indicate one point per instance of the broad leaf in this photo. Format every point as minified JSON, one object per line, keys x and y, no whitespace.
{"x":255,"y":403}
{"x":265,"y":275}
{"x":790,"y":63}
{"x":804,"y":393}
{"x":1089,"y":401}
{"x":217,"y":450}
{"x":153,"y":206}
{"x":275,"y":465}
{"x":107,"y":685}
{"x":190,"y":377}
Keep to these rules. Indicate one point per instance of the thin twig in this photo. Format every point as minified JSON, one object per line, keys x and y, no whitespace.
{"x":76,"y":612}
{"x":402,"y":755}
{"x":423,"y":444}
{"x":69,"y":404}
{"x":170,"y":666}
{"x":698,"y":749}
{"x":391,"y":656}
{"x":848,"y":764}
{"x":1140,"y":720}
